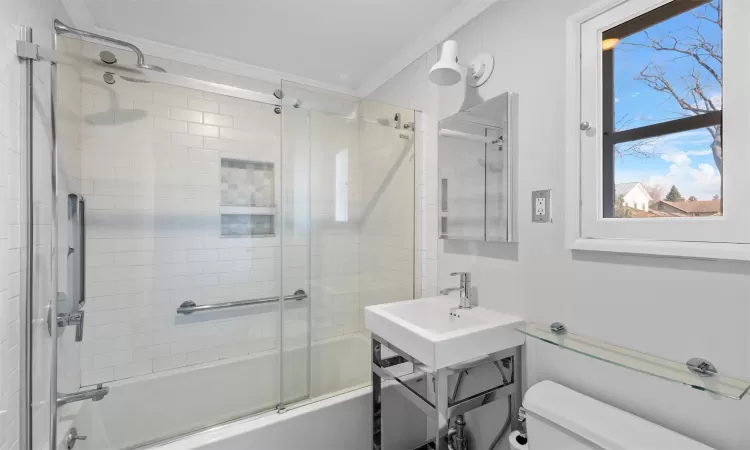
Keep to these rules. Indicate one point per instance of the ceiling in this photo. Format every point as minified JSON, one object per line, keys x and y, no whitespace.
{"x":336,"y":42}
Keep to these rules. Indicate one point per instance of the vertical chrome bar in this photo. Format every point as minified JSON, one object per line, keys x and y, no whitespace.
{"x":81,"y":248}
{"x":444,"y":194}
{"x":281,"y":407}
{"x":54,"y":252}
{"x":27,"y":202}
{"x":518,"y":384}
{"x":441,"y":409}
{"x":309,"y":250}
{"x":377,"y":406}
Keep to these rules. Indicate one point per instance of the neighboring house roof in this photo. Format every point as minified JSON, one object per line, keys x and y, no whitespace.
{"x":637,"y":213}
{"x":697,"y":207}
{"x":623,"y":189}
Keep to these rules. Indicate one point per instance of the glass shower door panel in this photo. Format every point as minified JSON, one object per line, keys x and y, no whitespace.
{"x":323,"y":125}
{"x":296,"y":314}
{"x":387,"y":225}
{"x":182,"y":188}
{"x":360,"y":191}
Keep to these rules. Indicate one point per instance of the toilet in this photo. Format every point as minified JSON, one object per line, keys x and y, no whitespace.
{"x":558,"y":418}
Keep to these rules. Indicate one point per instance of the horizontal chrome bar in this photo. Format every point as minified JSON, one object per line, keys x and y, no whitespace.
{"x":189,"y":306}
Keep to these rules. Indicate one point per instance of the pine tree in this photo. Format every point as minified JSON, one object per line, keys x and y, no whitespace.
{"x":674,"y":195}
{"x":692,"y":198}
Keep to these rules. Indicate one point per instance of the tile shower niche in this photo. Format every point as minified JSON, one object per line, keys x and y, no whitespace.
{"x":248,"y":198}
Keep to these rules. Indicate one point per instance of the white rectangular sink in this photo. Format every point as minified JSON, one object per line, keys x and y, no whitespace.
{"x":439,"y":334}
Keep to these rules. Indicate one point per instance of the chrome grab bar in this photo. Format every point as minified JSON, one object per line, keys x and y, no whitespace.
{"x":189,"y":306}
{"x":77,"y":215}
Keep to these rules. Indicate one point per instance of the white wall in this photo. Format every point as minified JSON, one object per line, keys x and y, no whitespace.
{"x":681,"y":309}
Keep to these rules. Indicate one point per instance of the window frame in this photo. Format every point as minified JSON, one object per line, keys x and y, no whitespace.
{"x":586,"y":227}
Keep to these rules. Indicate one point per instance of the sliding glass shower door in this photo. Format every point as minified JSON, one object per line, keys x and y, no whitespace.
{"x":356,"y":185}
{"x":219,"y":245}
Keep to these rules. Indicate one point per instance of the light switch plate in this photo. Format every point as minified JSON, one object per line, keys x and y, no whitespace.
{"x":540,"y":206}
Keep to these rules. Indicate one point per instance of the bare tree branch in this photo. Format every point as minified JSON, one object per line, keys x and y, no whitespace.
{"x":706,"y":55}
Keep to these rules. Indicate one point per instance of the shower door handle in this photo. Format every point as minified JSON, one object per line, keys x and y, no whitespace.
{"x":77,"y":214}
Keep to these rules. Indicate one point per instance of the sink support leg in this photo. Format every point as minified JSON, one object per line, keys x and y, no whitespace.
{"x":377,"y":410}
{"x":518,"y":384}
{"x":441,"y":407}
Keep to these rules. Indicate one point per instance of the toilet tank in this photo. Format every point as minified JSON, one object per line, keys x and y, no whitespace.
{"x":559,"y":418}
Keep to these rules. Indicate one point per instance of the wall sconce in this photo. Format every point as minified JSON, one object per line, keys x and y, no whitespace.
{"x":447,"y":71}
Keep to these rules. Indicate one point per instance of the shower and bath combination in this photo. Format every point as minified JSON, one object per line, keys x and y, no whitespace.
{"x":115,"y":147}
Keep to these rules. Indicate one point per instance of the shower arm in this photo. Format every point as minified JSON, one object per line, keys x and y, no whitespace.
{"x":61,"y":28}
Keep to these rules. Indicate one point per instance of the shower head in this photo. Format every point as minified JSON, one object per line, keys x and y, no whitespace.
{"x":61,"y":28}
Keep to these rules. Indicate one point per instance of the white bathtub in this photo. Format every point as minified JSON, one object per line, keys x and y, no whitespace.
{"x":156,"y":408}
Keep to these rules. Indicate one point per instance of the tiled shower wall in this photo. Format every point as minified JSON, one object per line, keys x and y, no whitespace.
{"x":150,"y":162}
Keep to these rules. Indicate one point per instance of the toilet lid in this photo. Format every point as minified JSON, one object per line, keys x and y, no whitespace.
{"x":600,"y":423}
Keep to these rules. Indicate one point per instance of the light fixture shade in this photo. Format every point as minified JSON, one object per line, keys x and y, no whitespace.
{"x":446,"y":71}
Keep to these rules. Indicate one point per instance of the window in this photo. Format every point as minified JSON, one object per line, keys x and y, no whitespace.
{"x":657,"y":108}
{"x":661,"y":107}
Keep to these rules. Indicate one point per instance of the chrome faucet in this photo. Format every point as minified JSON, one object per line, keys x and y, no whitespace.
{"x":74,"y":318}
{"x":465,"y":288}
{"x":95,"y":394}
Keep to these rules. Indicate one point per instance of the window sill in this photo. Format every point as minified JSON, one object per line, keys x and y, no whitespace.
{"x":696,"y":250}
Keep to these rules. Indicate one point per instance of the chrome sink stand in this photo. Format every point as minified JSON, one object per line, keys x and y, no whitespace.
{"x":443,"y":409}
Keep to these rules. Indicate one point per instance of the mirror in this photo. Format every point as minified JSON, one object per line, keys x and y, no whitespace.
{"x":477,"y":172}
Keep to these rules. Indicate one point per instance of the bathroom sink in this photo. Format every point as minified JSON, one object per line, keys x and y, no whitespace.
{"x":439,"y":334}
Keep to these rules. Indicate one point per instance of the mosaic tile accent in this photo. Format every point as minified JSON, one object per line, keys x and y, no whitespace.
{"x":247,"y":183}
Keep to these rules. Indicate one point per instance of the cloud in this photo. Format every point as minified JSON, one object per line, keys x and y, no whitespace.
{"x":699,"y":152}
{"x":679,"y":158}
{"x":703,"y":181}
{"x":617,"y":99}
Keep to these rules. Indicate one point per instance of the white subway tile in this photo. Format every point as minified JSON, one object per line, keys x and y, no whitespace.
{"x":203,"y":255}
{"x":202,"y":356}
{"x":197,"y":154}
{"x":96,"y":376}
{"x":170,"y":362}
{"x":133,"y":369}
{"x":187,"y":115}
{"x":203,"y":105}
{"x":186,"y":140}
{"x":224,"y":145}
{"x":112,"y":359}
{"x":169,"y":99}
{"x":133,"y":258}
{"x":218,"y":120}
{"x":173,"y":126}
{"x":203,"y":130}
{"x":151,"y":352}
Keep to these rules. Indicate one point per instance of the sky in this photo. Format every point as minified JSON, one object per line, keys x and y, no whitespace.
{"x":682,"y":159}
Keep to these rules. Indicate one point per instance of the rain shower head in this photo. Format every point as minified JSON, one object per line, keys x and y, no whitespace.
{"x":61,"y":28}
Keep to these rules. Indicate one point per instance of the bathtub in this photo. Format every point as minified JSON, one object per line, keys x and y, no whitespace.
{"x":230,"y":401}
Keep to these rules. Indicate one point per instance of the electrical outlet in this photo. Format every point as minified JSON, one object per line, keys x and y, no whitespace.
{"x":540,"y":206}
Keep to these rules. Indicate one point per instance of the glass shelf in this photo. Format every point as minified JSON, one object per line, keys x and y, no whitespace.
{"x":630,"y":359}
